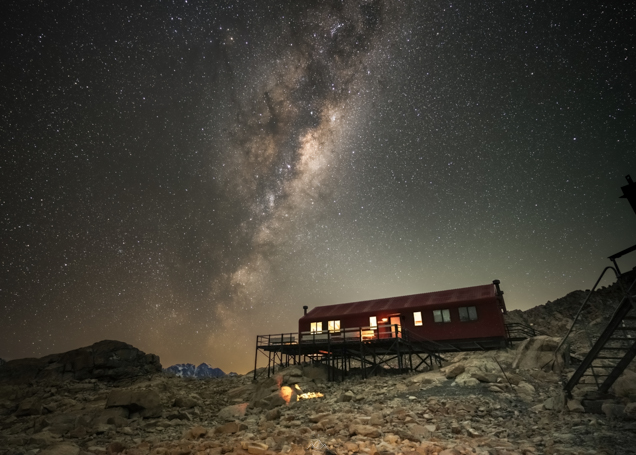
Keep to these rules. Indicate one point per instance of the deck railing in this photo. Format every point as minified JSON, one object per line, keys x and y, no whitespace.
{"x":360,"y":334}
{"x":277,"y":339}
{"x":516,"y":331}
{"x":379,"y":332}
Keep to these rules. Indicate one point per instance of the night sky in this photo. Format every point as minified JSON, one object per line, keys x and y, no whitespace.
{"x":184,"y":175}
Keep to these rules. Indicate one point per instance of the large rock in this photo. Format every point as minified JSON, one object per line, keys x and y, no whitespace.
{"x":466,"y":380}
{"x":365,"y":430}
{"x":630,"y":411}
{"x":230,"y":413}
{"x":188,"y":401}
{"x":145,"y":402}
{"x":29,"y":407}
{"x":454,"y":370}
{"x":539,"y":353}
{"x":105,"y":360}
{"x":625,"y":386}
{"x":61,"y":449}
{"x":613,"y":410}
{"x":316,"y":372}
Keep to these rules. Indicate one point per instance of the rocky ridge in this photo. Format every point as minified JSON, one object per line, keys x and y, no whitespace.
{"x":106,"y":360}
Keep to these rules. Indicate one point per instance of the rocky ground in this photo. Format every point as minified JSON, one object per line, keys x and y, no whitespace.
{"x":111,"y":398}
{"x":486,"y":403}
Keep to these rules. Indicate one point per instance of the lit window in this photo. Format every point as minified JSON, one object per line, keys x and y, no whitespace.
{"x":467,"y":313}
{"x":373,"y":322}
{"x":441,"y":315}
{"x":417,"y":316}
{"x":367,"y":335}
{"x":316,"y":327}
{"x":334,"y":326}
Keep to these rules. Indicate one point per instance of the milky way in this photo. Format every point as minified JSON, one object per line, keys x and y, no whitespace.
{"x":186,"y":175}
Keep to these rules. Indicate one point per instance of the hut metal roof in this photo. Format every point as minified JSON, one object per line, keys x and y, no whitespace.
{"x":450,"y":297}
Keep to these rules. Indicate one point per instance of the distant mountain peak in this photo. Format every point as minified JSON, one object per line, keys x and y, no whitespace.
{"x":189,"y":370}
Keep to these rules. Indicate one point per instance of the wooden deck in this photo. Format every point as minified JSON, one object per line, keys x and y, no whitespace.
{"x":365,"y":349}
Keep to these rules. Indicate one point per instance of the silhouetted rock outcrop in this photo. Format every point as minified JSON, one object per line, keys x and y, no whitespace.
{"x":105,"y":360}
{"x":555,"y":318}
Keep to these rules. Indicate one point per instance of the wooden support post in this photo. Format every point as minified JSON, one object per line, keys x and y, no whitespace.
{"x":300,"y":349}
{"x":256,"y":357}
{"x":363,"y":363}
{"x":329,"y":359}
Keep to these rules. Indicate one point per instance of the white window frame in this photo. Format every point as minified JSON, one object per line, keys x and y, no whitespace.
{"x":469,"y":313}
{"x":373,"y":322}
{"x":417,"y":318}
{"x":442,"y":316}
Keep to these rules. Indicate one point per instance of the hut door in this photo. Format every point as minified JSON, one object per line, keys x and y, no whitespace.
{"x":396,"y":327}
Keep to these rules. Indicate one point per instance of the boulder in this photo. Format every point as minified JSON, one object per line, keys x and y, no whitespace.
{"x":630,"y":411}
{"x":115,"y":447}
{"x":316,"y":372}
{"x":365,"y":430}
{"x":64,"y":448}
{"x":29,"y":407}
{"x":241,"y":392}
{"x":613,"y":410}
{"x":539,"y":353}
{"x":625,"y":385}
{"x":230,"y":428}
{"x":526,"y":388}
{"x":485,"y":377}
{"x":274,"y":414}
{"x":262,"y":391}
{"x":44,"y":439}
{"x":575,"y":406}
{"x":189,"y":401}
{"x":146,"y":402}
{"x":274,"y":401}
{"x":347,"y":396}
{"x":466,"y":380}
{"x":113,"y":416}
{"x":376,"y":419}
{"x":256,"y":448}
{"x":196,"y":432}
{"x":452,"y":371}
{"x":61,"y":424}
{"x":233,"y":412}
{"x":421,"y":431}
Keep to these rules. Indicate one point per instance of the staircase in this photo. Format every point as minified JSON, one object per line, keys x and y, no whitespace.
{"x":614,"y":349}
